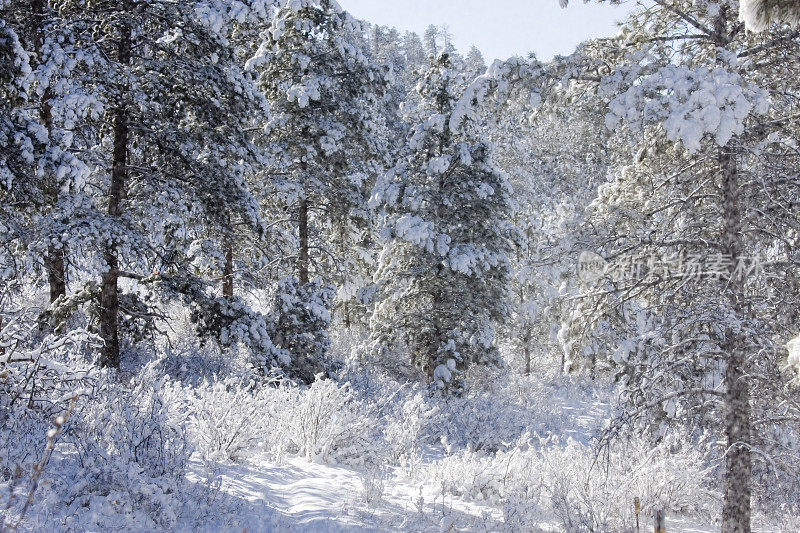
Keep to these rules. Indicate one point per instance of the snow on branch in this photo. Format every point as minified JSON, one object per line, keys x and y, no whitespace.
{"x":759,"y":14}
{"x":793,"y":362}
{"x":499,"y":78}
{"x":688,"y":103}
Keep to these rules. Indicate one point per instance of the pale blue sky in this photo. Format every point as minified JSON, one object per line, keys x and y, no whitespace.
{"x":499,"y":28}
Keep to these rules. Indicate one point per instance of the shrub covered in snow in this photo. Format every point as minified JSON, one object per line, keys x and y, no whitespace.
{"x":123,"y":451}
{"x":37,"y":381}
{"x":324,"y":422}
{"x":229,"y":418}
{"x":570,"y":482}
{"x":132,"y":448}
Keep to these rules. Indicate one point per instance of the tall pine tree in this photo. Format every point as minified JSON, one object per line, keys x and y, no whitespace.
{"x":443,"y":271}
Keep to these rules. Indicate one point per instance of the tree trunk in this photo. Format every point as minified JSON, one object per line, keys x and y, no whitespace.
{"x":342,"y":251}
{"x":736,"y":506}
{"x":109,"y":297}
{"x":302,"y":258}
{"x":526,"y":350}
{"x":56,"y":272}
{"x":227,"y":273}
{"x":55,"y":262}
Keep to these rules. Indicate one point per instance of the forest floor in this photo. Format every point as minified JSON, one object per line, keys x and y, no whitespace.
{"x":515,"y":454}
{"x":298,"y":495}
{"x":302,"y":496}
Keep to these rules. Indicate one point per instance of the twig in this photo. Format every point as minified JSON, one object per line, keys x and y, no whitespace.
{"x":52,"y":435}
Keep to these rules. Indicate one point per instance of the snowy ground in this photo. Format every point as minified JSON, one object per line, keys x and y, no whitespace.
{"x":303,"y":496}
{"x":306,"y":497}
{"x":512,"y":455}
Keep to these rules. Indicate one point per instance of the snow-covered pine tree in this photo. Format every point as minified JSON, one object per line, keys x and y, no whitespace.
{"x":55,"y":183}
{"x":17,"y":145}
{"x":443,"y":272}
{"x":414,"y":51}
{"x":474,"y":63}
{"x":432,"y":41}
{"x":167,"y":74}
{"x":17,"y":148}
{"x":299,"y":323}
{"x":327,"y":135}
{"x":701,"y":227}
{"x":553,"y":145}
{"x":759,"y":14}
{"x":386,"y":48}
{"x":325,"y":130}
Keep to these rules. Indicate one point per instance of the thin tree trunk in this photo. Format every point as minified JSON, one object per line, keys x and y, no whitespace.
{"x":526,"y":350}
{"x":109,"y":297}
{"x":56,"y":256}
{"x":525,"y":338}
{"x":2,"y":349}
{"x":342,"y":250}
{"x":738,"y":462}
{"x":56,"y":272}
{"x":227,"y":273}
{"x":55,"y":262}
{"x":302,"y":258}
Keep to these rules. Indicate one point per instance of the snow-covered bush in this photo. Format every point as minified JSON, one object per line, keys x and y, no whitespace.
{"x":190,"y":361}
{"x":570,"y":482}
{"x":793,"y":360}
{"x":123,"y":450}
{"x":372,"y":485}
{"x":37,"y":381}
{"x":776,"y":477}
{"x":21,"y":439}
{"x":229,"y":418}
{"x":405,"y":427}
{"x":497,"y":409}
{"x":132,"y":449}
{"x":323,"y":422}
{"x":481,"y":421}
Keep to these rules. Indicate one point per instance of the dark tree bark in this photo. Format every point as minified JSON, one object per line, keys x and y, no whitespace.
{"x":55,"y":262}
{"x":526,"y":350}
{"x":109,"y":297}
{"x":738,"y":463}
{"x":227,"y":273}
{"x":342,"y":250}
{"x":302,"y":258}
{"x":56,"y":272}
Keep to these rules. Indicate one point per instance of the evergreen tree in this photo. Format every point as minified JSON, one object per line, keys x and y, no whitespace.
{"x":443,"y":271}
{"x":299,"y":322}
{"x":326,"y":132}
{"x":166,"y":74}
{"x":474,"y":62}
{"x":55,"y":184}
{"x":696,"y":223}
{"x":432,"y":41}
{"x":553,"y":145}
{"x":759,"y":14}
{"x":16,"y":159}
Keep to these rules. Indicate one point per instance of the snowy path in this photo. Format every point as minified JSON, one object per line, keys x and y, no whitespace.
{"x":300,"y":496}
{"x":307,"y":497}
